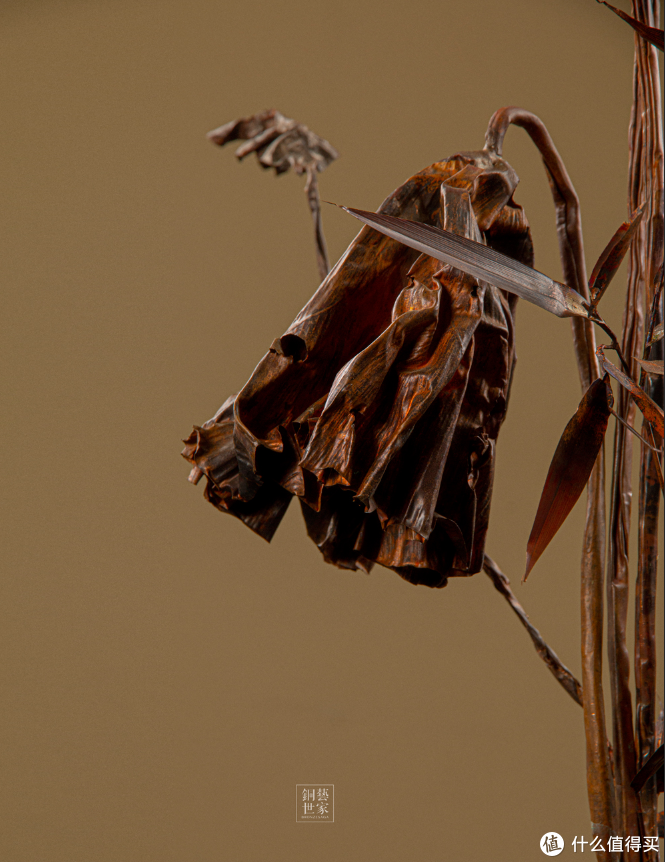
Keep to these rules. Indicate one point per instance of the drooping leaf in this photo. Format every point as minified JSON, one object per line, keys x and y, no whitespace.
{"x":278,"y":141}
{"x":652,"y":366}
{"x":653,"y":766}
{"x":281,"y":143}
{"x":479,"y":261}
{"x":610,"y":260}
{"x":650,"y":410}
{"x":651,"y":34}
{"x":571,"y":467}
{"x":378,"y":409}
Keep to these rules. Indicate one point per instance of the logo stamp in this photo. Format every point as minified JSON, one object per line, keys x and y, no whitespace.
{"x":315,"y":803}
{"x":551,"y":844}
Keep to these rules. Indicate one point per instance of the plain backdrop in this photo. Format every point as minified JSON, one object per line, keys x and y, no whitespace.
{"x":167,"y":677}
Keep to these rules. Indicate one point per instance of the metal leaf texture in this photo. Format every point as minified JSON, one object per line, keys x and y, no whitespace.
{"x":380,"y":406}
{"x":650,"y":410}
{"x":610,"y":260}
{"x":571,"y":467}
{"x":653,"y":366}
{"x":278,"y":141}
{"x":479,"y":261}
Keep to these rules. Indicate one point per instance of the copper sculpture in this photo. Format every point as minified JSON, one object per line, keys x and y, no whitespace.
{"x":380,"y":406}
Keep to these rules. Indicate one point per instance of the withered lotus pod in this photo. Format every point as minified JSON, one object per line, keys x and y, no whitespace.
{"x":380,"y":406}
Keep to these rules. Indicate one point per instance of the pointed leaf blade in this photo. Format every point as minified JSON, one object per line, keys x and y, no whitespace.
{"x":610,"y":260}
{"x":571,"y":467}
{"x":651,"y":34}
{"x":652,"y":366}
{"x":479,"y":261}
{"x":650,"y":410}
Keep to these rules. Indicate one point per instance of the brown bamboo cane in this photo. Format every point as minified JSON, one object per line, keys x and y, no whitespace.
{"x":646,"y":182}
{"x":646,"y":720}
{"x":571,"y":248}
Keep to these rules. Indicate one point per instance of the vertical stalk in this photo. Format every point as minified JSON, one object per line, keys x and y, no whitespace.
{"x":646,"y":183}
{"x":571,"y":248}
{"x":626,"y":801}
{"x":312,"y":192}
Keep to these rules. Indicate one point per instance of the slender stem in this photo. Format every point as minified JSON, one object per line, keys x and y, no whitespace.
{"x":645,"y":270}
{"x":571,"y":249}
{"x":553,"y":662}
{"x":598,"y":320}
{"x":312,"y":192}
{"x":656,"y":463}
{"x":568,"y":221}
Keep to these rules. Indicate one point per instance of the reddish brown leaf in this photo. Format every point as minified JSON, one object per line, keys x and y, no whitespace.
{"x":571,"y":466}
{"x":652,"y":366}
{"x":651,"y":34}
{"x":380,"y":406}
{"x":610,"y":260}
{"x":650,"y":410}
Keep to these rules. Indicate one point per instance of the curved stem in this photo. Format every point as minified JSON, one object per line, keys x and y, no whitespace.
{"x":571,"y":249}
{"x":569,"y":224}
{"x":597,"y":319}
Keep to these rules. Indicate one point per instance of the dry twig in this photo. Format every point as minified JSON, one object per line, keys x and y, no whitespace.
{"x":553,"y":662}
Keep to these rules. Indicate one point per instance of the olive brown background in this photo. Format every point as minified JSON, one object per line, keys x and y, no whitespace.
{"x":167,"y":677}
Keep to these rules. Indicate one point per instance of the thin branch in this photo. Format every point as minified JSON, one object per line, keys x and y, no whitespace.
{"x":312,"y":192}
{"x":615,"y":346}
{"x":553,"y":662}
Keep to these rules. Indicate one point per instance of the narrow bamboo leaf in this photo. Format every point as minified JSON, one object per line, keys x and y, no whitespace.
{"x":652,"y":366}
{"x":650,"y":410}
{"x":479,"y":261}
{"x":651,"y":34}
{"x":610,"y":260}
{"x":571,"y":467}
{"x":633,"y":431}
{"x":657,"y":334}
{"x":653,"y":765}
